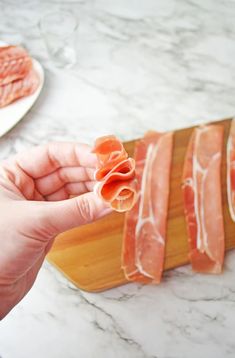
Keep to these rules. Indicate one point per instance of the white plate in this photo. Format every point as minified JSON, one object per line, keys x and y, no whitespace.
{"x":14,"y":112}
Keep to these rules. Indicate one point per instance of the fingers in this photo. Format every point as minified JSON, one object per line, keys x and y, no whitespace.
{"x":63,"y":215}
{"x":70,"y":189}
{"x":14,"y":179}
{"x":48,"y":170}
{"x":43,"y":160}
{"x":51,"y":183}
{"x":59,"y":185}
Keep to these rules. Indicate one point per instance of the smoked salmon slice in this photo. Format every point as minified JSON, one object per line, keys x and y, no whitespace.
{"x":231,"y":170}
{"x":145,"y":225}
{"x":203,"y":199}
{"x":19,"y":88}
{"x":115,"y":174}
{"x":15,"y":63}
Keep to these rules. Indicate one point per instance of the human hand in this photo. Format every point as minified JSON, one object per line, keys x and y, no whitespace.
{"x":35,"y":205}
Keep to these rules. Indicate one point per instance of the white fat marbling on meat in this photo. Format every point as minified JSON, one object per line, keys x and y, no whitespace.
{"x":202,"y":235}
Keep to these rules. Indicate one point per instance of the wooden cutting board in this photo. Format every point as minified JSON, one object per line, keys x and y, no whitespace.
{"x":90,"y":256}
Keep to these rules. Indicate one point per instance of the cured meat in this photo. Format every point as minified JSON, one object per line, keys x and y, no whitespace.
{"x":203,"y":200}
{"x":15,"y":63}
{"x":231,"y":170}
{"x":145,"y":225}
{"x":17,"y":89}
{"x":110,"y":152}
{"x":115,"y":174}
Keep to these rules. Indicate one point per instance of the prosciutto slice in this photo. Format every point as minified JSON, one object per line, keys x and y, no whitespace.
{"x":231,"y":170}
{"x":19,"y":88}
{"x":203,"y":200}
{"x":145,"y":225}
{"x":15,"y":63}
{"x":115,"y":174}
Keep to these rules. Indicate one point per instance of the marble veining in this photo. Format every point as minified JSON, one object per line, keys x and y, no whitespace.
{"x":141,"y":65}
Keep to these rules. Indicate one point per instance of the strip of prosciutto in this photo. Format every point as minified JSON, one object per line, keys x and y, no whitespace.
{"x":19,"y":88}
{"x":15,"y":63}
{"x":145,"y":225}
{"x":115,"y":174}
{"x":203,"y":199}
{"x":231,"y":170}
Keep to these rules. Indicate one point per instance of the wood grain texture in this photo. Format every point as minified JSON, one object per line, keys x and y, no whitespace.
{"x":90,"y":256}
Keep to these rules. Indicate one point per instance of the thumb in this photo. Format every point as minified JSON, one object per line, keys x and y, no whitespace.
{"x":63,"y":215}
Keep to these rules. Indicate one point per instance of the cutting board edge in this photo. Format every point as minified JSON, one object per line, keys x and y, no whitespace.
{"x":107,"y":286}
{"x":84,"y":288}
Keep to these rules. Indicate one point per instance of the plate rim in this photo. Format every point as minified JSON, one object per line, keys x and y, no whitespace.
{"x":40,"y":68}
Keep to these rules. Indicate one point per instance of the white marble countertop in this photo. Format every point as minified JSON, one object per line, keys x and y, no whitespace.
{"x":141,"y":64}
